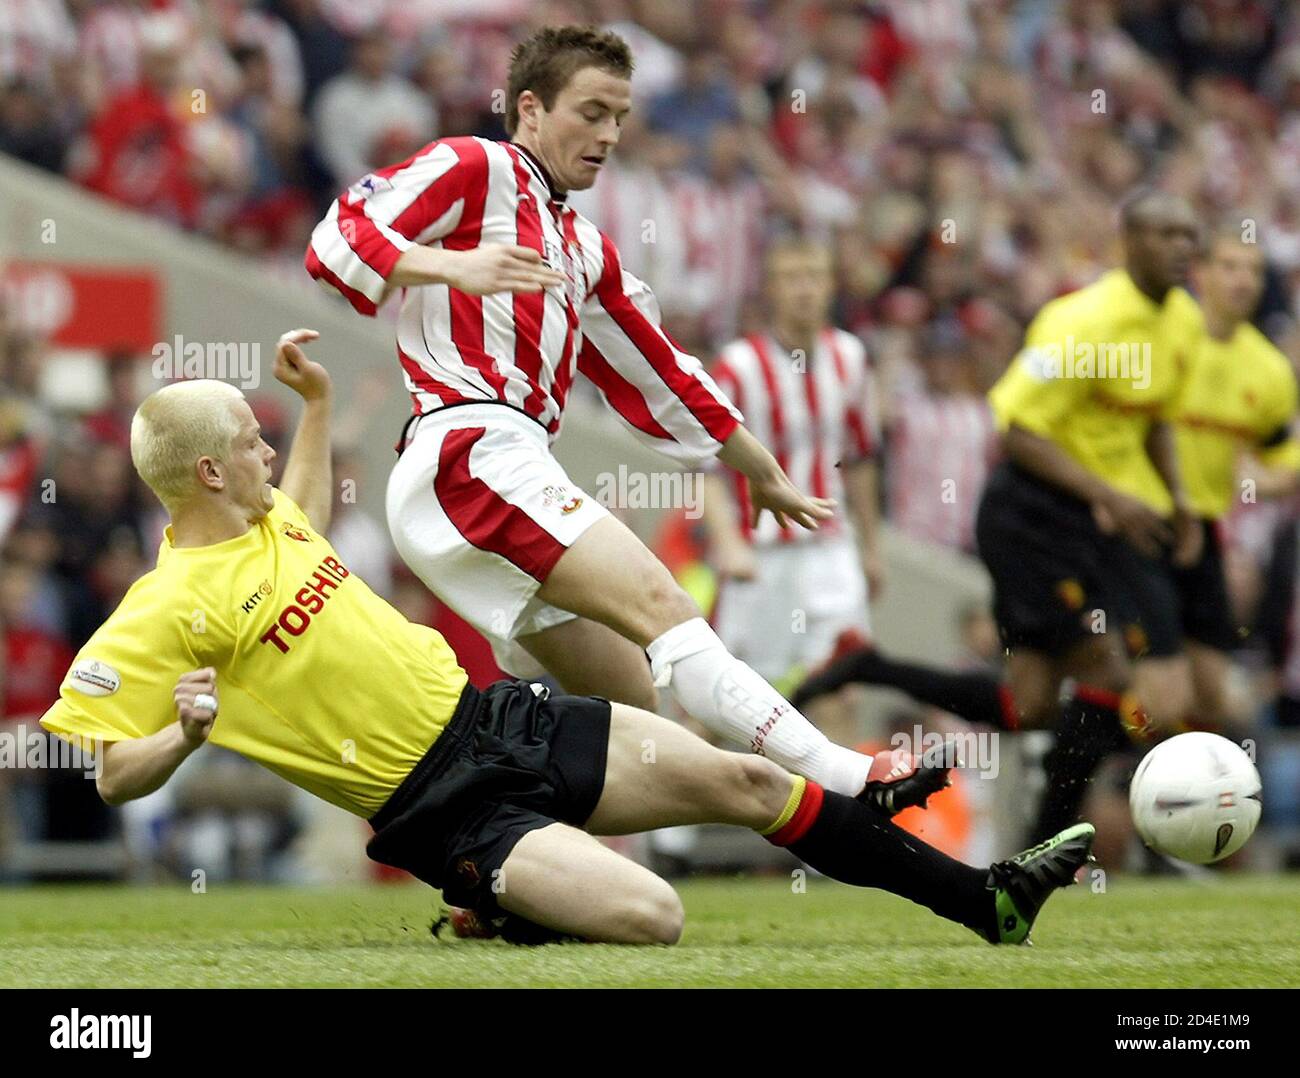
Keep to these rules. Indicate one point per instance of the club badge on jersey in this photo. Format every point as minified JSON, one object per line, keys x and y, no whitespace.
{"x":558,"y":256}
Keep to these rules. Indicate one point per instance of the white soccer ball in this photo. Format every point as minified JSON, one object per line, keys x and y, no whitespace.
{"x":1196,"y":797}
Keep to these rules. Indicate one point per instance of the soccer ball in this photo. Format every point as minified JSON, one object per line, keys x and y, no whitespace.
{"x":1196,"y":797}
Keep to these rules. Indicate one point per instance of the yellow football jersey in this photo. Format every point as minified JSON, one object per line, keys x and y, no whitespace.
{"x":318,"y":679}
{"x":1240,"y":394}
{"x":1098,"y":367}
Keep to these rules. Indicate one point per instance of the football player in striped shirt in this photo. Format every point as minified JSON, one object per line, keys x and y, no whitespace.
{"x":506,"y":293}
{"x":253,"y":634}
{"x":788,"y":595}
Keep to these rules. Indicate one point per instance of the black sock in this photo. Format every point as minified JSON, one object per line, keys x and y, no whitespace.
{"x":973,"y":696}
{"x":852,"y":843}
{"x":1088,"y":731}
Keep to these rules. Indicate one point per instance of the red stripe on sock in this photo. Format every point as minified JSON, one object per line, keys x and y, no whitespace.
{"x":1090,"y":694}
{"x":1010,"y":717}
{"x":810,"y":806}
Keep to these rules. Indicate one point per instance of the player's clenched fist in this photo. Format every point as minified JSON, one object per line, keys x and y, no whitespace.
{"x":309,"y":380}
{"x":196,"y":703}
{"x":500,"y":268}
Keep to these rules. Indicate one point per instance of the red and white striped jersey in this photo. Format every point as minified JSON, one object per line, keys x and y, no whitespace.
{"x":940,"y":452}
{"x":520,"y":350}
{"x":816,"y":414}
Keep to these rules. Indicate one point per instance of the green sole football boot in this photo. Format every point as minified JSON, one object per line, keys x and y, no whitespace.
{"x":1023,"y":883}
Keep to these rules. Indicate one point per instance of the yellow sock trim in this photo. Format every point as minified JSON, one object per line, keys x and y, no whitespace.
{"x":791,"y":806}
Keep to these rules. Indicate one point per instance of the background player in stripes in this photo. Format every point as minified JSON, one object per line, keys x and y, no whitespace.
{"x":788,"y":595}
{"x":506,"y":290}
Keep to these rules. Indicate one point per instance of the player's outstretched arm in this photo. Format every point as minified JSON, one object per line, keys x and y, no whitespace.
{"x":308,"y":473}
{"x":479,"y":271}
{"x":139,"y":766}
{"x":769,"y":487}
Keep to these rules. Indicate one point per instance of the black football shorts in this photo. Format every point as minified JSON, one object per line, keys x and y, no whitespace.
{"x":1054,"y":572}
{"x":512,"y":759}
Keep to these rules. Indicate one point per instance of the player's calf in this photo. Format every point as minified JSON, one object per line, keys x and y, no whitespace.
{"x":564,"y":880}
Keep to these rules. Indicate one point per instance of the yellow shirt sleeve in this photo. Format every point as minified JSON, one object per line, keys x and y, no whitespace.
{"x":1034,"y":393}
{"x":120,"y":684}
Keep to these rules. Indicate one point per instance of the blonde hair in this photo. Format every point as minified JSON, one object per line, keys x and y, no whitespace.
{"x":174,"y":427}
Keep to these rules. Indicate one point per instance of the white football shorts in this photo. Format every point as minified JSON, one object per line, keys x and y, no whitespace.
{"x":481,"y":511}
{"x":804,"y":595}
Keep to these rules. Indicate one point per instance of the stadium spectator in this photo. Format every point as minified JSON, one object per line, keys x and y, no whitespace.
{"x":370,"y":115}
{"x":357,"y":536}
{"x":704,"y":99}
{"x":136,"y":151}
{"x":941,"y":443}
{"x":26,"y":128}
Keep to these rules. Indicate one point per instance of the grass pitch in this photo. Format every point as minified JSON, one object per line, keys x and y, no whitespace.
{"x":1236,"y":931}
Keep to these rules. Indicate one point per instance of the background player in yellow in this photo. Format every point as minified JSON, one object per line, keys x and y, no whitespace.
{"x":252,"y":633}
{"x":1233,"y":417}
{"x":1077,"y":521}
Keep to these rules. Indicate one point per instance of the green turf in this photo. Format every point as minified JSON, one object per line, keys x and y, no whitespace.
{"x":1241,"y":931}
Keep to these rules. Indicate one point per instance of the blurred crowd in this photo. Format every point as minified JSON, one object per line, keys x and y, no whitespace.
{"x":963,"y":159}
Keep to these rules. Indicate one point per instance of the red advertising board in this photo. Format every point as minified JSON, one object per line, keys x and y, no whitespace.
{"x":85,"y":306}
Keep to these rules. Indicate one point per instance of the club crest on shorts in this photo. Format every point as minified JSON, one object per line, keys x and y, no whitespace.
{"x":558,"y":496}
{"x":295,"y":532}
{"x":1071,"y":593}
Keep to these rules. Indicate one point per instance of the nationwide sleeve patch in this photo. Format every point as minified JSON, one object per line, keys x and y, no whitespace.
{"x":94,"y":678}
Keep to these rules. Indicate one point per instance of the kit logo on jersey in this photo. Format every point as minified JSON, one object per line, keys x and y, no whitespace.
{"x":94,"y":678}
{"x":558,"y":496}
{"x":264,"y":589}
{"x":558,"y":256}
{"x":295,"y":532}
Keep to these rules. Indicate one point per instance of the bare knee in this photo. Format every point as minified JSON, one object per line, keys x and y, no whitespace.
{"x":1165,"y":688}
{"x":665,"y":604}
{"x":1102,"y":664}
{"x":1033,"y":694}
{"x":654,"y":915}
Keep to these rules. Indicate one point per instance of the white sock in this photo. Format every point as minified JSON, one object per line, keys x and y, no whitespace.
{"x":728,"y":697}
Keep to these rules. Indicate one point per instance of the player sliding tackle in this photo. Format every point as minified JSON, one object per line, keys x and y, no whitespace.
{"x":505,"y":290}
{"x":251,"y":633}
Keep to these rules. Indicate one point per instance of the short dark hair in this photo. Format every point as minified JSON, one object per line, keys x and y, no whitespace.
{"x":551,"y":57}
{"x":1136,"y":203}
